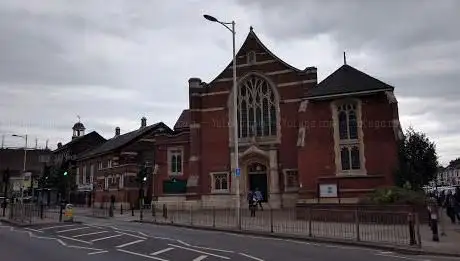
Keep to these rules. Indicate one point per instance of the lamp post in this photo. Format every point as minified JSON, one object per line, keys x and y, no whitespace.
{"x":235,"y":113}
{"x":24,"y":164}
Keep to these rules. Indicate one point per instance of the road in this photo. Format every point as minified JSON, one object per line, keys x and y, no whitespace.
{"x":103,"y":240}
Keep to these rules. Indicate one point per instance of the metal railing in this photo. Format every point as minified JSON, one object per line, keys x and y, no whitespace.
{"x":31,"y":213}
{"x":383,"y":227}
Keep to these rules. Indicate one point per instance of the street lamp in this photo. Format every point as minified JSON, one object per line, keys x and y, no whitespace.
{"x":24,"y":165}
{"x":235,"y":113}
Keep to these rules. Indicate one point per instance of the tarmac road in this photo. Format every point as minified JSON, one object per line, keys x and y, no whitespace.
{"x":113,"y":240}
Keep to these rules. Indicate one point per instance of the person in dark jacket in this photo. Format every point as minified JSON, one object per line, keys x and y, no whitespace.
{"x":251,"y":203}
{"x":449,"y":204}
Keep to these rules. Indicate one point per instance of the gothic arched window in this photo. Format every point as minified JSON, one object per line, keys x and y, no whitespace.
{"x":256,"y":108}
{"x":348,"y":125}
{"x":348,"y":136}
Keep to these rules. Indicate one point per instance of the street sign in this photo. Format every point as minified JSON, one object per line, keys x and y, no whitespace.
{"x":237,"y":172}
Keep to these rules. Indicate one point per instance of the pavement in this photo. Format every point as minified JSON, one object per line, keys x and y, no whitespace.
{"x":103,"y":240}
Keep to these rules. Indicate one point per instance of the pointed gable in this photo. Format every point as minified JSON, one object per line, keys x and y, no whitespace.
{"x":347,"y":80}
{"x":183,"y":122}
{"x":263,"y":56}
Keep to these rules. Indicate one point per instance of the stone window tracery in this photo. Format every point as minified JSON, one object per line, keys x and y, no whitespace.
{"x":348,"y":142}
{"x":256,"y":108}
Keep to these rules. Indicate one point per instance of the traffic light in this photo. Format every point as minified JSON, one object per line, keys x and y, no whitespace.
{"x":65,"y":173}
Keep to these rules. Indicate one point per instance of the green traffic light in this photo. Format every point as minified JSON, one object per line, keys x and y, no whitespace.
{"x":65,"y":173}
{"x":145,"y":178}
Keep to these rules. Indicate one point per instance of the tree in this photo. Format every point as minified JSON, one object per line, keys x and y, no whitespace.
{"x":418,"y":161}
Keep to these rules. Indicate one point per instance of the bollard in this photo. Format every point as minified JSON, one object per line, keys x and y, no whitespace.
{"x":410,"y":219}
{"x":132,"y":209}
{"x":153,"y":210}
{"x":41,"y":210}
{"x":165,"y":211}
{"x":60,"y":212}
{"x":121,"y":208}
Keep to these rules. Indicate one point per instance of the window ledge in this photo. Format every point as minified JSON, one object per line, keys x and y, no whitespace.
{"x":357,"y":173}
{"x":221,"y":191}
{"x":175,"y":174}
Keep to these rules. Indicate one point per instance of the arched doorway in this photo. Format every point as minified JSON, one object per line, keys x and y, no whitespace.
{"x":257,"y":178}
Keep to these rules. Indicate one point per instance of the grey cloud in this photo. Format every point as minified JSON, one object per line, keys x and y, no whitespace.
{"x":114,"y":63}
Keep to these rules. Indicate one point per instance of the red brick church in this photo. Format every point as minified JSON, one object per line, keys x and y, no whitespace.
{"x":299,"y":140}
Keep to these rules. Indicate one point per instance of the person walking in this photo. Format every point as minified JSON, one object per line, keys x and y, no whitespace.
{"x":251,"y":203}
{"x":449,"y":204}
{"x":259,"y":198}
{"x":457,"y":203}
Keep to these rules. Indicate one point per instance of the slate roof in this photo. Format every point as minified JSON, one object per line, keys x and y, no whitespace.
{"x":122,"y":140}
{"x":184,"y":120}
{"x":347,"y":80}
{"x":78,"y":139}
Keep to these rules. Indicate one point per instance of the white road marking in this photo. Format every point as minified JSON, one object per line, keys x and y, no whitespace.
{"x":104,"y":238}
{"x":72,"y":229}
{"x":252,"y":257}
{"x":98,"y":252}
{"x":162,"y":251}
{"x":142,"y":255}
{"x":214,"y":249}
{"x":183,"y":243}
{"x":165,"y":238}
{"x":90,"y":225}
{"x":92,"y":233}
{"x":34,"y":230}
{"x":142,"y":234}
{"x":56,"y":227}
{"x":131,"y":235}
{"x":200,"y":252}
{"x":86,"y":248}
{"x":77,"y":240}
{"x":199,"y":258}
{"x":130,"y":243}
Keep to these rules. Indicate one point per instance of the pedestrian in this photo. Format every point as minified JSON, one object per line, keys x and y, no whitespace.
{"x":457,"y":203}
{"x":449,"y":204}
{"x":259,"y":198}
{"x":251,"y":203}
{"x":432,"y":207}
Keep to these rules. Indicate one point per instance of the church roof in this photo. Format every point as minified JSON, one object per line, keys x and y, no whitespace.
{"x":122,"y":140}
{"x":184,"y":120}
{"x":251,"y":42}
{"x":347,"y":80}
{"x":79,"y":139}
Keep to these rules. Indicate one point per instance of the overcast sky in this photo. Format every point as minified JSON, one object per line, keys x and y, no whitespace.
{"x":114,"y":61}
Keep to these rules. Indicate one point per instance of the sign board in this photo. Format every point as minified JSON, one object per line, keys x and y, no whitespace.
{"x":328,"y":190}
{"x":237,"y":172}
{"x":85,"y":187}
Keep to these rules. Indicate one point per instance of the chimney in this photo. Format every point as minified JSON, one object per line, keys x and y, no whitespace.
{"x":59,"y":145}
{"x":117,"y":131}
{"x":143,"y":122}
{"x":194,"y":83}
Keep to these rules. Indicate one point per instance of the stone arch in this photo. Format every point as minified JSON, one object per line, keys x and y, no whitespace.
{"x":258,"y":112}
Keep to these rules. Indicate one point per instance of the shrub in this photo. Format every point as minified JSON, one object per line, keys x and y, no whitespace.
{"x":395,"y":196}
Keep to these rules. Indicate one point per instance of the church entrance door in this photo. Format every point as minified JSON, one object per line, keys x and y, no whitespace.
{"x":257,"y":178}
